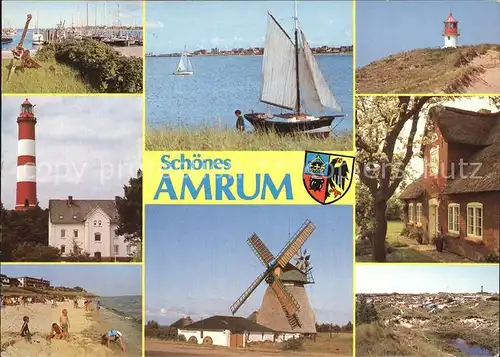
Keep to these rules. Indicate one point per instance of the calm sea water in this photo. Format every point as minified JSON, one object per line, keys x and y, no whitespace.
{"x":123,"y":313}
{"x":222,"y":84}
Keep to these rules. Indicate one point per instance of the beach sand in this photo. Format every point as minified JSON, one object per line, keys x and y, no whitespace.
{"x":489,"y":81}
{"x":84,"y":339}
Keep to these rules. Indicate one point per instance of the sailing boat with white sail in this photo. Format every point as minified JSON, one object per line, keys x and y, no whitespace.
{"x":184,"y":68}
{"x":37,"y":38}
{"x":292,"y":79}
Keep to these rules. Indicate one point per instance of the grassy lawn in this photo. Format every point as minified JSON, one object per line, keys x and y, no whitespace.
{"x":400,"y":250}
{"x":214,"y":138}
{"x":50,"y":78}
{"x":423,"y":71}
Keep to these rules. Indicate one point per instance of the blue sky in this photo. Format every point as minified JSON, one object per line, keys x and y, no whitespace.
{"x":198,"y":262}
{"x":104,"y":279}
{"x":426,"y":279}
{"x":388,"y":27}
{"x":52,"y":12}
{"x":228,"y":24}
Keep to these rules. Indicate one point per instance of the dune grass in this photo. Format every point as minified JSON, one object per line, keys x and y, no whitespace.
{"x":51,"y":77}
{"x":428,"y":70}
{"x":215,"y":138}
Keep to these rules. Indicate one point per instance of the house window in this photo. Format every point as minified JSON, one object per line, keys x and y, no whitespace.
{"x":97,"y":237}
{"x":434,"y":161}
{"x":201,"y":334}
{"x":99,"y":223}
{"x":411,"y":213}
{"x":475,"y":219}
{"x":453,"y":218}
{"x":97,"y":255}
{"x":75,"y":233}
{"x":63,"y":249}
{"x":117,"y":250}
{"x":129,"y":249}
{"x":419,"y":213}
{"x":95,"y":223}
{"x":63,"y":233}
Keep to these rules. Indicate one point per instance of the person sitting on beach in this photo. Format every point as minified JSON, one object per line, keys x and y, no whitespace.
{"x":240,"y":121}
{"x":25,"y":330}
{"x":64,"y":321}
{"x":56,"y":333}
{"x":115,"y":336}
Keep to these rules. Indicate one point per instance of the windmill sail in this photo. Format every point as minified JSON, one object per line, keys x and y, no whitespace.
{"x":279,"y":82}
{"x":184,"y":63}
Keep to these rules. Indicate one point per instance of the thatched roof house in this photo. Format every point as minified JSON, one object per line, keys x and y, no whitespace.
{"x":459,"y":193}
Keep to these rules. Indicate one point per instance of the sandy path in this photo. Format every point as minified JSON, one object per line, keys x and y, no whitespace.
{"x":489,"y":81}
{"x":41,"y":318}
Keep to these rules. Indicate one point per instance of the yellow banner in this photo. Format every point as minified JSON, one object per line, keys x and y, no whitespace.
{"x":248,"y":177}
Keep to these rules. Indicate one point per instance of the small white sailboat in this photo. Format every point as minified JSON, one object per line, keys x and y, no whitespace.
{"x":37,"y":38}
{"x":184,"y":68}
{"x":292,"y":79}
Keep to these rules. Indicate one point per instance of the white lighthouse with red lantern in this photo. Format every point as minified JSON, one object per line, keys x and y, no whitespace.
{"x":450,"y":32}
{"x":26,"y":158}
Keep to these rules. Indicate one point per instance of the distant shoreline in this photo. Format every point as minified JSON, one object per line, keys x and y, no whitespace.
{"x":242,"y":55}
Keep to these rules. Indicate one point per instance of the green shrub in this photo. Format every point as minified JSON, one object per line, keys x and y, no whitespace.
{"x":404,"y":232}
{"x":182,"y":338}
{"x":491,"y":258}
{"x":296,"y":344}
{"x":102,"y":67}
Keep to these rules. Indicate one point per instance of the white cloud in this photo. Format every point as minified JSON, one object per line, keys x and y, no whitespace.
{"x":154,"y":24}
{"x":86,"y":147}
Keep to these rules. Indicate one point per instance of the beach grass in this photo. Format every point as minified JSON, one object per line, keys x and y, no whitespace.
{"x":216,"y":138}
{"x":51,"y":77}
{"x":428,"y":70}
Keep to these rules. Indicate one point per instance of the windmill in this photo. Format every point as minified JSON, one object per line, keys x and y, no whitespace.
{"x":285,"y":306}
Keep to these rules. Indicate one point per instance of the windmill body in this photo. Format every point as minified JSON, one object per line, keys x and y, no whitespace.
{"x":285,"y":307}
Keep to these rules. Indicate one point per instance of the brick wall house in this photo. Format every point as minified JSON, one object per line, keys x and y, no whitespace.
{"x":459,"y":193}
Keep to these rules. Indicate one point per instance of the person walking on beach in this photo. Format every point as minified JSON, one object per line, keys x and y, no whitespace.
{"x":97,"y":307}
{"x":75,"y":303}
{"x":240,"y":121}
{"x":115,"y":336}
{"x":64,"y":321}
{"x":25,"y":330}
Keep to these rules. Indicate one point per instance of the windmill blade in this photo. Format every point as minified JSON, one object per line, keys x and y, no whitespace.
{"x":295,"y":243}
{"x":287,"y":301}
{"x":237,"y":304}
{"x":260,"y":250}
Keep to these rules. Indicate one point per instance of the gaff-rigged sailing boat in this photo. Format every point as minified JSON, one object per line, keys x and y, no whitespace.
{"x":184,"y":68}
{"x":292,"y":79}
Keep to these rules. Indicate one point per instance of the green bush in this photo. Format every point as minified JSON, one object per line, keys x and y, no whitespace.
{"x":296,"y":344}
{"x":102,"y":66}
{"x":405,"y":232}
{"x":417,"y":234}
{"x":182,"y":338}
{"x":491,"y":258}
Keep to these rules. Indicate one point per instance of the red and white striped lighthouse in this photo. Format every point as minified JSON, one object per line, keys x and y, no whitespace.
{"x":26,"y":158}
{"x":450,"y":32}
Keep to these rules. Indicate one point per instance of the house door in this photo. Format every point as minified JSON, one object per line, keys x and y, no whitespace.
{"x":236,"y":340}
{"x":433,"y":219}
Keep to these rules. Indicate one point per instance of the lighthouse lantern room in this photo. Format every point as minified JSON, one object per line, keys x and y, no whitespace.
{"x":26,"y":158}
{"x":450,"y":32}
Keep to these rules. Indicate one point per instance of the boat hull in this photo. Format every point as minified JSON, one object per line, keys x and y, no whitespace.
{"x":318,"y":127}
{"x":7,"y":40}
{"x":182,"y":73}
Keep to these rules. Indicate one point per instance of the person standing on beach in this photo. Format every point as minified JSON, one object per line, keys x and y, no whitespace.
{"x":115,"y":336}
{"x":64,"y":321}
{"x":240,"y":121}
{"x":98,"y":307}
{"x":25,"y":330}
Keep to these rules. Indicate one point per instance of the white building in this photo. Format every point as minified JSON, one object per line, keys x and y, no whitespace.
{"x":228,"y":331}
{"x":91,"y":225}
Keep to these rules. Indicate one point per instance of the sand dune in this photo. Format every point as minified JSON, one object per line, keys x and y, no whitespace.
{"x":83,"y":341}
{"x":489,"y":81}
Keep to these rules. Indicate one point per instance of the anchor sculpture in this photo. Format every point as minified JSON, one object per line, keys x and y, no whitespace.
{"x":21,"y":54}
